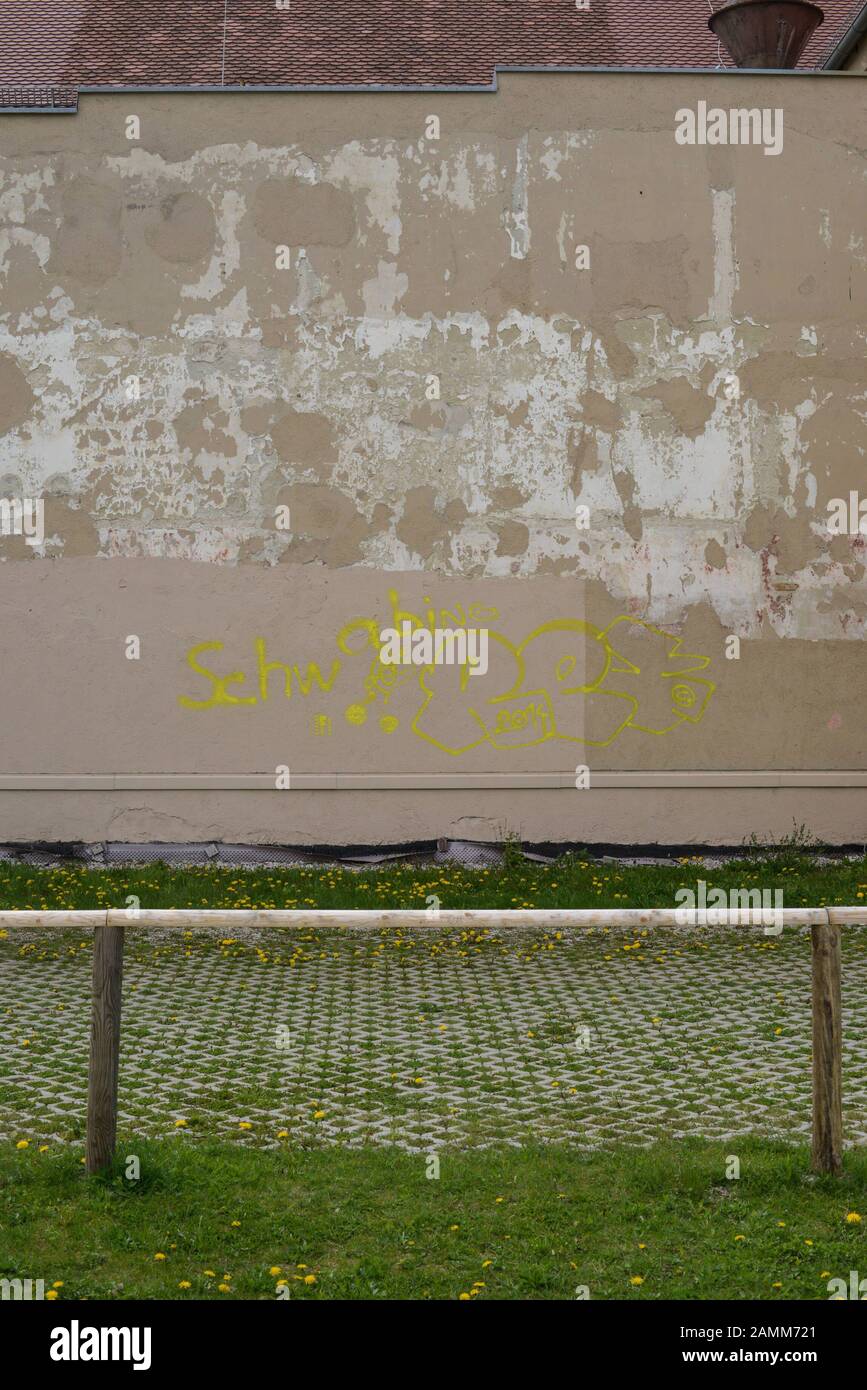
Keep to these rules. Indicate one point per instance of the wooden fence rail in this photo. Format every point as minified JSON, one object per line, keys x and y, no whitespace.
{"x":825,"y":926}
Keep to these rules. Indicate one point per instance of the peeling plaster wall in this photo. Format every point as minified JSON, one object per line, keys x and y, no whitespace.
{"x":700,"y":389}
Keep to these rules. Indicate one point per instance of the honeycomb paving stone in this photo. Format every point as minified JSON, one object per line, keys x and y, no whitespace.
{"x":405,"y":1041}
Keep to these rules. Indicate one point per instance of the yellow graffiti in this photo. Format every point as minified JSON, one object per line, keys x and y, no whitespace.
{"x":566,"y":680}
{"x":265,"y":667}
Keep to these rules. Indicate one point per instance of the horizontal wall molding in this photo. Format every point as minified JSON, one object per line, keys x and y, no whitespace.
{"x":428,"y":781}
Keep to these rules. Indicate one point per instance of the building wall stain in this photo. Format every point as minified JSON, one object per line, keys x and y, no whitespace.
{"x":437,"y":352}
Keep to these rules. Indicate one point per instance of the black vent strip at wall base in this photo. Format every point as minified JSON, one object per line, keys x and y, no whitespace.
{"x":469,"y":853}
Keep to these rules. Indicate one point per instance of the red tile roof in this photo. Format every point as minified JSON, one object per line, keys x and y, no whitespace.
{"x":354,"y":42}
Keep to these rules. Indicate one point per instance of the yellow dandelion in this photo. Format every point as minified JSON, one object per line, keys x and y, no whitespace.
{"x":52,"y":1294}
{"x":853,"y":1218}
{"x":23,"y":1144}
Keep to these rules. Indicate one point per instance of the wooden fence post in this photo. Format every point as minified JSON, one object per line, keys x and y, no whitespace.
{"x":827,"y":1051}
{"x":104,"y":1047}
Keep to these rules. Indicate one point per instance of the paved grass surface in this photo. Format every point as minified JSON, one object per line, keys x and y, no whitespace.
{"x":425,"y":1041}
{"x":534,"y":1223}
{"x":426,"y":1115}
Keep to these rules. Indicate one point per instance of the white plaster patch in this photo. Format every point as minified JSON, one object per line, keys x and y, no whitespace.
{"x":382,"y":294}
{"x":377,"y":176}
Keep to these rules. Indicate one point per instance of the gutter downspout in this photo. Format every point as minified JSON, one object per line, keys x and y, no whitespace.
{"x":841,"y":50}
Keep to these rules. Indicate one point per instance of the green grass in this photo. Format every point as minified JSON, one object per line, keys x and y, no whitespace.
{"x":572,"y":882}
{"x":372,"y":1225}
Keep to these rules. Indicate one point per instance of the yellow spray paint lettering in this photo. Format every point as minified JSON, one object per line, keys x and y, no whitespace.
{"x":220,"y":696}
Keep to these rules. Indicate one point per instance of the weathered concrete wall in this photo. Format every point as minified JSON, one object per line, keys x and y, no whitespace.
{"x":699,"y":388}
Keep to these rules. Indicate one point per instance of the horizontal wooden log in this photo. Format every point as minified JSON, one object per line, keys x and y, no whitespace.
{"x":72,"y":918}
{"x":478,"y":919}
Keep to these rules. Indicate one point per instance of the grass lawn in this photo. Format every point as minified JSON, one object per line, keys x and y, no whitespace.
{"x":573,"y":882}
{"x":532,"y":1223}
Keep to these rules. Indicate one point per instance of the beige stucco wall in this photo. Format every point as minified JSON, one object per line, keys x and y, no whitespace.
{"x":700,"y":388}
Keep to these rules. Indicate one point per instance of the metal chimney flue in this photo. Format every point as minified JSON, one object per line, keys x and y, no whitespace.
{"x":766,"y":33}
